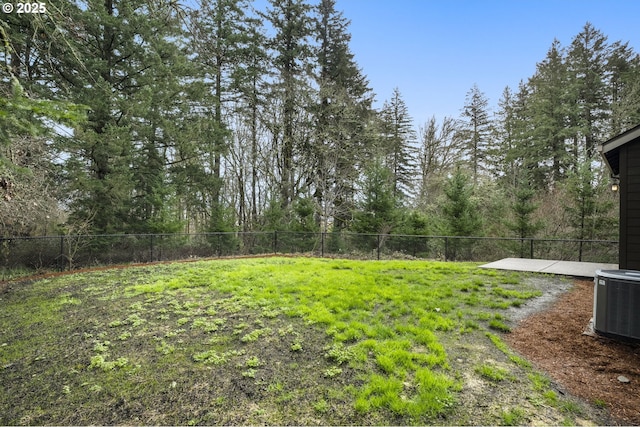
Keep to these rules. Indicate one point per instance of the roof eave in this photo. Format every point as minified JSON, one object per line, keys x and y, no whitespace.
{"x":614,"y":169}
{"x":621,"y":139}
{"x":608,"y":150}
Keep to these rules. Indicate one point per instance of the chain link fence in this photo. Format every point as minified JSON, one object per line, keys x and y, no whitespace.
{"x":71,"y":252}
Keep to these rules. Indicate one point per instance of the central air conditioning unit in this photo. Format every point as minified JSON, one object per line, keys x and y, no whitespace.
{"x":616,"y":303}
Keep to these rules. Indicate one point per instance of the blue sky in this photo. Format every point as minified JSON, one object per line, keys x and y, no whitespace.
{"x":434,"y":51}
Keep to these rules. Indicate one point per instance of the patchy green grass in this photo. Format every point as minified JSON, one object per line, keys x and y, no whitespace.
{"x":492,"y":373}
{"x":263,"y":341}
{"x":513,"y":417}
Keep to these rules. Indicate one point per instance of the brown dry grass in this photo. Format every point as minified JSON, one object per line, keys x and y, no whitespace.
{"x":587,"y":366}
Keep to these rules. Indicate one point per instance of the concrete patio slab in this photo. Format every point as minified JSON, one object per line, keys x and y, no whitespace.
{"x":565,"y":268}
{"x":520,"y":264}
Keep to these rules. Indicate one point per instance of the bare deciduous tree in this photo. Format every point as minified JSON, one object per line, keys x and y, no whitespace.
{"x":440,"y":149}
{"x":28,"y":202}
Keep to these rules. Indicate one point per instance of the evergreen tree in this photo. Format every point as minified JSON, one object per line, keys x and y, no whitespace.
{"x":460,"y":212}
{"x":478,"y":130}
{"x":377,"y":212}
{"x":304,"y":211}
{"x":22,"y":37}
{"x":523,"y":207}
{"x":587,"y":210}
{"x":548,"y":156}
{"x":156,"y":131}
{"x":340,"y":116}
{"x":514,"y":135}
{"x":275,"y":217}
{"x":397,"y":144}
{"x":224,"y":41}
{"x":118,"y":58}
{"x":290,"y":55}
{"x":253,"y":87}
{"x":506,"y":166}
{"x":586,"y":62}
{"x":623,"y":67}
{"x":201,"y":121}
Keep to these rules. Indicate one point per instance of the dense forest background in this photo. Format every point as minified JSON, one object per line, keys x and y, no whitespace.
{"x":144,"y":116}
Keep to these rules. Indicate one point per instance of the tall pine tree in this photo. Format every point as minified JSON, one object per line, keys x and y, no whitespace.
{"x":340,"y":117}
{"x":549,"y":157}
{"x":586,"y":62}
{"x":397,"y":144}
{"x":224,"y":43}
{"x":623,"y":68}
{"x":290,"y":51}
{"x":118,"y":58}
{"x":478,"y":129}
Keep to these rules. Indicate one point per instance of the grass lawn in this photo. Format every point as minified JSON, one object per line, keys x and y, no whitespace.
{"x":271,"y":341}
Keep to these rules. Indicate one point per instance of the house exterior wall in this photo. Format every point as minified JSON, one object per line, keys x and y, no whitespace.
{"x":630,"y":205}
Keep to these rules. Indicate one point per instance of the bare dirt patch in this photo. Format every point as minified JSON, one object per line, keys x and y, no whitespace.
{"x":587,"y":366}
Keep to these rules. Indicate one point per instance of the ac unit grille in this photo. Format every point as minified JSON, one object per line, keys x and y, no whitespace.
{"x":617,"y":303}
{"x":623,"y":316}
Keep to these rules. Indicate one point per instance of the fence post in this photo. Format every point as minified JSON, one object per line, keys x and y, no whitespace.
{"x":580,"y":252}
{"x":531,"y":253}
{"x":151,"y":247}
{"x":61,"y":253}
{"x":446,"y":248}
{"x":275,"y":241}
{"x":322,"y":245}
{"x":378,"y":248}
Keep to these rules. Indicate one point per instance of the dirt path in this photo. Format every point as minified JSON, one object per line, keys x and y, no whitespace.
{"x":587,"y":366}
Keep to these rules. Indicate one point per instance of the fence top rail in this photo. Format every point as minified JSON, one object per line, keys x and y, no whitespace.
{"x":431,"y":236}
{"x":123,"y":235}
{"x":219,"y":233}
